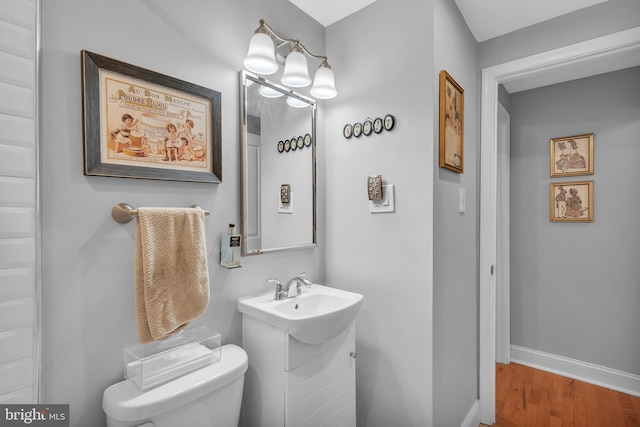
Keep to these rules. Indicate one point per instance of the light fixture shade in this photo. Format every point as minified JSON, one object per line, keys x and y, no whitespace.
{"x":268,"y":92}
{"x":295,"y":72}
{"x":296,"y":103}
{"x":324,"y":85}
{"x":261,"y":57}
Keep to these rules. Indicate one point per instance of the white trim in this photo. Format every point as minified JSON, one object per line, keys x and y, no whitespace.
{"x":503,"y":303}
{"x":473,"y":416}
{"x":488,"y":172}
{"x":575,"y":54}
{"x":584,"y":371}
{"x":579,"y":53}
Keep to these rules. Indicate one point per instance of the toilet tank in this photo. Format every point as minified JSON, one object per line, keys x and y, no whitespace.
{"x":209,"y":396}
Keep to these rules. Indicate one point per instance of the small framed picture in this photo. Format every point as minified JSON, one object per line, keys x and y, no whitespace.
{"x":294,"y":143}
{"x":357,"y":129}
{"x":377,"y":125}
{"x":571,"y":155}
{"x":307,"y":140}
{"x":287,"y":145}
{"x":367,"y":127}
{"x":300,"y":141}
{"x":389,"y":122}
{"x":347,"y":131}
{"x":451,"y":124}
{"x":280,"y":146}
{"x":571,"y":201}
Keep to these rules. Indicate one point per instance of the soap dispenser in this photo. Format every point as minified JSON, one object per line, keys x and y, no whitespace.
{"x":230,"y":248}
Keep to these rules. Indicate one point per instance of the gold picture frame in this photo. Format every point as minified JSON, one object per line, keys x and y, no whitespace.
{"x":451,"y":124}
{"x":571,"y":201}
{"x":571,"y":155}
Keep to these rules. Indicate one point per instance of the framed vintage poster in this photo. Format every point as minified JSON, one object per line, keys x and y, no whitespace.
{"x":571,"y":155}
{"x":141,"y":124}
{"x":571,"y":201}
{"x":451,"y":124}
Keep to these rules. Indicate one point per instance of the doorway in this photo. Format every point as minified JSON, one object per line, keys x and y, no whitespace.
{"x":580,"y":55}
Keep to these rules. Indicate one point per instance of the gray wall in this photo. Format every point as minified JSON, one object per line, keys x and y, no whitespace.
{"x":455,"y":235}
{"x":575,"y":287}
{"x":87,"y":258}
{"x":385,"y":256}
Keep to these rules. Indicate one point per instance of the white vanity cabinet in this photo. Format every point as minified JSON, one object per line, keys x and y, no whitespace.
{"x":293,"y":384}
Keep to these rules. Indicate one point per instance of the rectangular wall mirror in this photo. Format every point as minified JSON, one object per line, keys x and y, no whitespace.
{"x":278,"y":159}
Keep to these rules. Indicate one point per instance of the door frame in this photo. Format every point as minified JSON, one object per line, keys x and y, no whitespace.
{"x":579,"y":54}
{"x":503,"y":285}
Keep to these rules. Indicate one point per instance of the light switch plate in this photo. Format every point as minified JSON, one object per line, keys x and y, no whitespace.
{"x":387,"y":204}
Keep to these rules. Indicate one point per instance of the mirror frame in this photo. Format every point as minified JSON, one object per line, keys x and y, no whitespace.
{"x":244,"y":77}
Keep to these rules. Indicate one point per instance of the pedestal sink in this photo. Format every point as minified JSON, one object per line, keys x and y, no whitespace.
{"x":302,"y":358}
{"x":316,"y":315}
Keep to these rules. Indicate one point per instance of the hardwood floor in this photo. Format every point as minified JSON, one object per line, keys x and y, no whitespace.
{"x":527,"y":397}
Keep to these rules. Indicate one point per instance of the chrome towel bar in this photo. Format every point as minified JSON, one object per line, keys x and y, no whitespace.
{"x":124,"y":213}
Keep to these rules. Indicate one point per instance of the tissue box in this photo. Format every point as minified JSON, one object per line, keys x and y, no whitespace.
{"x":156,"y":363}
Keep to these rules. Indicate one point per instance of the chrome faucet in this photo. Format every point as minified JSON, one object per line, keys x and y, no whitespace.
{"x":282,"y":292}
{"x":303,"y":278}
{"x":279,"y":289}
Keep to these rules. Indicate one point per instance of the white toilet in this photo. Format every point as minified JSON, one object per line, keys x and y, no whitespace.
{"x":210,"y":396}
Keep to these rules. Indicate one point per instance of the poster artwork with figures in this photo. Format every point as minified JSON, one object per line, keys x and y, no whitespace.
{"x":148,"y":125}
{"x":571,"y":201}
{"x":451,"y":124}
{"x":152,"y":126}
{"x":572,"y":155}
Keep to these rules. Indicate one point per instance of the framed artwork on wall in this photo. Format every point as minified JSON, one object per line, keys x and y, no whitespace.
{"x":451,"y":124}
{"x":571,"y":201}
{"x":571,"y":155}
{"x":141,"y":124}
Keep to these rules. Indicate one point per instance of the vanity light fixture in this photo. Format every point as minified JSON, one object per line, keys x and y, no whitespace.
{"x":264,"y":56}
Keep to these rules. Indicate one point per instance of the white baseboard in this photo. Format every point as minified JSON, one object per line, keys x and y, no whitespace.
{"x":576,"y":369}
{"x":473,"y":416}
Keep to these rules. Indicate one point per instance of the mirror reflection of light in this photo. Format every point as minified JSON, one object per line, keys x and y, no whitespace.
{"x":268,"y":92}
{"x":296,"y":103}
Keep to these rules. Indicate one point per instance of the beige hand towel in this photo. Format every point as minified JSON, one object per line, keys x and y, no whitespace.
{"x":171,"y":275}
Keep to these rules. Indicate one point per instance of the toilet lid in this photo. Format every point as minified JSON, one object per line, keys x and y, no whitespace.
{"x":124,"y":402}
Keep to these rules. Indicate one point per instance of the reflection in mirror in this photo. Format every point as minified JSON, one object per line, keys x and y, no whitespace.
{"x":278,"y":153}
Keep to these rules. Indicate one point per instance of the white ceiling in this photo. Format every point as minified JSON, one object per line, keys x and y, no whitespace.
{"x":492,"y":18}
{"x":485,"y":18}
{"x":327,"y":12}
